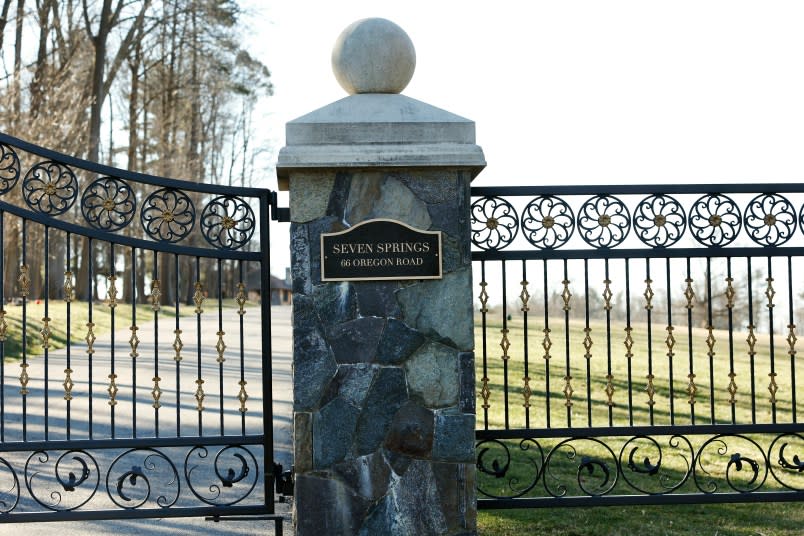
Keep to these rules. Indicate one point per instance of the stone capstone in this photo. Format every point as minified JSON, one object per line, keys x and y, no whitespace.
{"x":432,"y":373}
{"x":373,"y":56}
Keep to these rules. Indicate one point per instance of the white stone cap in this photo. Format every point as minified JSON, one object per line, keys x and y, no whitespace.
{"x":378,"y":128}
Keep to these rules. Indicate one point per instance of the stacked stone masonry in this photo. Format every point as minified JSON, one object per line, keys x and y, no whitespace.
{"x":383,"y":371}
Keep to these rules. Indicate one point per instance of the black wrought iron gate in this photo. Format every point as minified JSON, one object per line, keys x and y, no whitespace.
{"x":135,"y":343}
{"x":638,"y":344}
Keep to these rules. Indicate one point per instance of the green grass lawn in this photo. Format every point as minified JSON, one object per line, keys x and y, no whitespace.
{"x":608,"y":368}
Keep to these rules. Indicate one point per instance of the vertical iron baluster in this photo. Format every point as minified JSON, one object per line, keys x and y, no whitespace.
{"x":567,"y":386}
{"x":68,"y":299}
{"x":484,"y":392}
{"x":629,"y":340}
{"x":772,"y":387}
{"x":691,"y":389}
{"x":710,"y":340}
{"x":90,"y":333}
{"x":670,"y":342}
{"x":4,"y":328}
{"x":730,"y":297}
{"x":791,"y":336}
{"x":134,"y":341}
{"x":112,"y":302}
{"x":525,"y":308}
{"x":546,"y":344}
{"x":46,"y":334}
{"x":221,"y":345}
{"x":198,"y":311}
{"x":156,"y":296}
{"x":587,"y":342}
{"x":650,"y":389}
{"x":609,"y":376}
{"x":751,"y":341}
{"x":504,"y":344}
{"x":265,"y":322}
{"x":177,"y":345}
{"x":242,"y":394}
{"x":24,"y":375}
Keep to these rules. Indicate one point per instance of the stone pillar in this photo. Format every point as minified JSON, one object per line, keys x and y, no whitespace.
{"x":383,"y":385}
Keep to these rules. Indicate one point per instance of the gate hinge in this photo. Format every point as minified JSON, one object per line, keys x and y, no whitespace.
{"x":279,"y":213}
{"x":284,"y":480}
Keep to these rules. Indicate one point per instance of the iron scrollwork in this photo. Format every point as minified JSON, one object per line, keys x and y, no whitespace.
{"x":659,"y":221}
{"x":167,"y":215}
{"x":9,"y":495}
{"x":50,"y":187}
{"x":130,"y":486}
{"x":68,"y":484}
{"x":770,"y":219}
{"x":715,"y":220}
{"x":548,"y":222}
{"x":494,"y":461}
{"x":604,"y":221}
{"x":108,"y":204}
{"x":495,"y":223}
{"x":230,"y":478}
{"x":227,"y":222}
{"x":9,"y":168}
{"x":787,"y":462}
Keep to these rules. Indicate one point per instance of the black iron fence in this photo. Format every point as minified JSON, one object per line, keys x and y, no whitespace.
{"x":637,"y":344}
{"x":134,"y":347}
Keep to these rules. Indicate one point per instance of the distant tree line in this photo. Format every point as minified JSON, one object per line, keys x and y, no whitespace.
{"x":161,"y":87}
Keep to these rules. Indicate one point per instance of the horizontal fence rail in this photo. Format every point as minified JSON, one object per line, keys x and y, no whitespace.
{"x":638,"y":342}
{"x":135,"y":364}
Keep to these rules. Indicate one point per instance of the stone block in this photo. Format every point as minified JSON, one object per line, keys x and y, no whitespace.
{"x":335,"y":303}
{"x":432,"y":373}
{"x":333,"y":430}
{"x":454,"y":437}
{"x":327,"y":506}
{"x":432,"y":186}
{"x":356,"y":341}
{"x":386,"y":396}
{"x":377,"y":299}
{"x":466,"y":367}
{"x":300,"y":259}
{"x":340,"y":195}
{"x":328,"y":224}
{"x":411,"y":432}
{"x":441,"y":309}
{"x":302,"y":442}
{"x":378,"y":196}
{"x":398,"y":342}
{"x":367,"y":476}
{"x":313,"y":368}
{"x":351,"y":383}
{"x":309,"y":195}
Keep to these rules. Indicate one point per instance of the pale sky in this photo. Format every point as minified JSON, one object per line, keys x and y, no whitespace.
{"x":577,"y":92}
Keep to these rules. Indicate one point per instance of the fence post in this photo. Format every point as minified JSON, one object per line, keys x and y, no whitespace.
{"x":383,"y":387}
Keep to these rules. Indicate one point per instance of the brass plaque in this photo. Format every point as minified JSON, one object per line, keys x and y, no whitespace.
{"x":380,"y":249}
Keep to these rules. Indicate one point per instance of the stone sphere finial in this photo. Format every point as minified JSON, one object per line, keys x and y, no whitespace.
{"x":373,"y":56}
